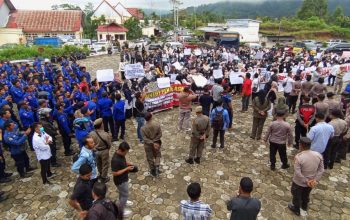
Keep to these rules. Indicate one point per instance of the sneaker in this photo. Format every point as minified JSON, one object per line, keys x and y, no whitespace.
{"x":115,"y":139}
{"x":189,"y":160}
{"x":127,"y":213}
{"x":273,"y":167}
{"x":8,"y":174}
{"x":51,"y":175}
{"x":285,"y":166}
{"x":303,"y":213}
{"x":47,"y":183}
{"x":212,"y":146}
{"x":293,"y":209}
{"x":26,"y":175}
{"x":129,"y":203}
{"x":153,"y":172}
{"x":197,"y":160}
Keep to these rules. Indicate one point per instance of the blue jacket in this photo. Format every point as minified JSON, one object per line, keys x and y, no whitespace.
{"x":27,"y":117}
{"x":85,"y":156}
{"x":226,"y":118}
{"x":63,"y":123}
{"x":33,"y":101}
{"x":2,"y":123}
{"x":82,"y":127}
{"x":15,"y":140}
{"x":105,"y":105}
{"x":119,"y":111}
{"x":3,"y":101}
{"x":91,"y":105}
{"x":17,"y":94}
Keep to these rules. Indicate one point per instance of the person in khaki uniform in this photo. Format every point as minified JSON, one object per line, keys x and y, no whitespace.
{"x":200,"y":132}
{"x":152,"y":134}
{"x":260,"y":107}
{"x":103,"y":143}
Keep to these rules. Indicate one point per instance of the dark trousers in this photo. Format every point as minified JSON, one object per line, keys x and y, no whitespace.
{"x":67,"y":141}
{"x":286,"y":95}
{"x":230,"y":115}
{"x":30,"y":138}
{"x":300,"y":131}
{"x":301,"y":99}
{"x":215,"y":137}
{"x":282,"y":151}
{"x":245,"y":103}
{"x":45,"y":170}
{"x":53,"y":149}
{"x":301,"y":196}
{"x":108,"y":120}
{"x":331,"y":78}
{"x":331,"y":151}
{"x":2,"y":166}
{"x":342,"y":150}
{"x":21,"y":161}
{"x":293,"y":103}
{"x":120,"y":124}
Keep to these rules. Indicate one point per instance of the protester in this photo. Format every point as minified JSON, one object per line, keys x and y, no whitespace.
{"x":246,"y":92}
{"x":288,"y":87}
{"x":103,"y":142}
{"x":244,"y":206}
{"x":152,"y":135}
{"x":65,"y":130}
{"x":119,"y":117}
{"x":219,"y":120}
{"x":139,"y":114}
{"x":185,"y":99}
{"x":278,"y":133}
{"x":260,"y":107}
{"x":120,"y":171}
{"x":195,"y":208}
{"x":294,"y":94}
{"x":308,"y":169}
{"x":205,"y":101}
{"x":217,"y":89}
{"x":227,"y":104}
{"x":105,"y":105}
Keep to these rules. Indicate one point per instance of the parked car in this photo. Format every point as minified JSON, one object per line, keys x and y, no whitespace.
{"x":154,"y":47}
{"x":254,"y":46}
{"x":99,"y":45}
{"x":173,"y":45}
{"x":338,"y":48}
{"x":333,"y":42}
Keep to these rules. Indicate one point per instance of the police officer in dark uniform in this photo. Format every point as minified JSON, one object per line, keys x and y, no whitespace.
{"x":17,"y":141}
{"x":64,"y":129}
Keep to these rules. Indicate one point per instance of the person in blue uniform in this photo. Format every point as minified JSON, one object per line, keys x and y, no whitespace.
{"x":82,"y":125}
{"x":27,"y":118}
{"x":17,"y":141}
{"x":92,"y":107}
{"x":119,"y":116}
{"x":105,"y":106}
{"x":64,"y":129}
{"x":17,"y":92}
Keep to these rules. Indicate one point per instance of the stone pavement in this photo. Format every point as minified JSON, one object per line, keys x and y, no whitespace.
{"x":219,"y":174}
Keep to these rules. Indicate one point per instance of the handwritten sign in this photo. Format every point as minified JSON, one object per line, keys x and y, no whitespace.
{"x":187,"y":52}
{"x":106,"y":75}
{"x":217,"y":74}
{"x":235,"y":78}
{"x":163,"y":82}
{"x":133,"y":71}
{"x":200,"y":80}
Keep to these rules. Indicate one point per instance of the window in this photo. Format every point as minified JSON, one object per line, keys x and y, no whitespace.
{"x":101,"y":38}
{"x":122,"y":37}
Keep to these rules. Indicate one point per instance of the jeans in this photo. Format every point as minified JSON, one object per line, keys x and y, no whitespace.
{"x":123,"y":194}
{"x":184,"y":118}
{"x":245,"y":103}
{"x":215,"y":137}
{"x":120,"y":124}
{"x":331,"y":78}
{"x":301,"y":196}
{"x":109,"y":120}
{"x":45,"y":170}
{"x":140,"y":122}
{"x":281,"y":148}
{"x":21,"y":161}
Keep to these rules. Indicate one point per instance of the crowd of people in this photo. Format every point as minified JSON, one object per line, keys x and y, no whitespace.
{"x":43,"y":101}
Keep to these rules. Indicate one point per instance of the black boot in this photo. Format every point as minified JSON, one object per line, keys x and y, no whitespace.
{"x":197,"y":160}
{"x":153,"y":172}
{"x":293,"y":209}
{"x":157,"y":172}
{"x":189,"y":160}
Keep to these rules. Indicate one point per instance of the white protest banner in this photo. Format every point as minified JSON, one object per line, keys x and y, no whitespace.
{"x":259,"y":55}
{"x":177,"y":66}
{"x":200,"y":80}
{"x":235,"y":78}
{"x":187,"y":51}
{"x":197,"y":52}
{"x":133,"y":71}
{"x":106,"y":75}
{"x":319,"y":56}
{"x":346,"y":77}
{"x":173,"y":77}
{"x":346,"y":54}
{"x":217,"y":74}
{"x":163,"y":82}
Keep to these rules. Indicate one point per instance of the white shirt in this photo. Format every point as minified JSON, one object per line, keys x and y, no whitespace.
{"x":42,"y":150}
{"x":289,"y":86}
{"x":335,"y":69}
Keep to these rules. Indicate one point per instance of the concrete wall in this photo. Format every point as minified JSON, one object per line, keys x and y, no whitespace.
{"x":148,"y":31}
{"x":11,"y":35}
{"x":103,"y":36}
{"x":4,"y":15}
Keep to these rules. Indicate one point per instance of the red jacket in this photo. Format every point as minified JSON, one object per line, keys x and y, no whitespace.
{"x":247,"y":87}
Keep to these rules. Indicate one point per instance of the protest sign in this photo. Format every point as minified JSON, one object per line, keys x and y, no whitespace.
{"x":217,"y":74}
{"x":177,"y":66}
{"x":346,"y":77}
{"x":106,"y":75}
{"x":259,"y":55}
{"x":173,"y":77}
{"x":200,"y":80}
{"x":187,"y":51}
{"x":163,"y":82}
{"x":346,"y":54}
{"x":133,"y":71}
{"x":319,"y":56}
{"x":235,"y":78}
{"x":197,"y":52}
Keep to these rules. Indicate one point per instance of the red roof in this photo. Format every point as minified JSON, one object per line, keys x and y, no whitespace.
{"x":113,"y":27}
{"x":46,"y":20}
{"x":136,"y":13}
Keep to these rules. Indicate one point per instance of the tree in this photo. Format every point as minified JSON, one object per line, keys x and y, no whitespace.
{"x":154,"y":16}
{"x":135,"y":31}
{"x":309,"y":8}
{"x":65,"y":7}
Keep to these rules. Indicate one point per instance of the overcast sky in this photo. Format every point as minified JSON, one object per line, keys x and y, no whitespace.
{"x":156,"y":4}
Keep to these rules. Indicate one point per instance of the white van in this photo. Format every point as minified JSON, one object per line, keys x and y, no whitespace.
{"x":173,"y":45}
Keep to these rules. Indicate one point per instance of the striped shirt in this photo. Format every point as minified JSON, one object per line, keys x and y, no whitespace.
{"x":195,"y":210}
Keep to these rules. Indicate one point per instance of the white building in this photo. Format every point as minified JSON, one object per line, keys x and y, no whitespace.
{"x":247,"y":28}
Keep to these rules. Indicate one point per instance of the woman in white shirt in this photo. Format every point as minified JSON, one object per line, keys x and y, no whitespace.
{"x":41,"y":142}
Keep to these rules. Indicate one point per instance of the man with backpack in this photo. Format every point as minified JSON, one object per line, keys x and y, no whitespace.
{"x":219,"y":120}
{"x":102,"y":208}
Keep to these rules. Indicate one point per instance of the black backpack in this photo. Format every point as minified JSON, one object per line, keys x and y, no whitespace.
{"x":218,"y":120}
